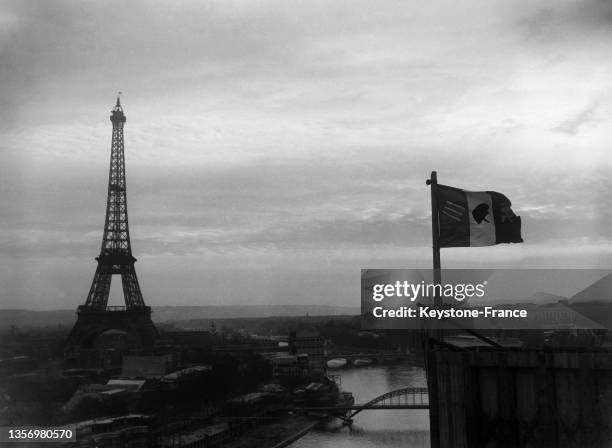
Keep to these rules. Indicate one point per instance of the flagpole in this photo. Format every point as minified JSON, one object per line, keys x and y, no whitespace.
{"x":434,"y":334}
{"x":435,"y":233}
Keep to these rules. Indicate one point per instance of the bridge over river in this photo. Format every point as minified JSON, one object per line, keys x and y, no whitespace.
{"x":405,"y":398}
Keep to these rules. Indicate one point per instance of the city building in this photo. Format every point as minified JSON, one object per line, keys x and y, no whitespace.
{"x":307,"y":340}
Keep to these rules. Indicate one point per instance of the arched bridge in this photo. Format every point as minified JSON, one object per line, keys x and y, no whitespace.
{"x":405,"y":398}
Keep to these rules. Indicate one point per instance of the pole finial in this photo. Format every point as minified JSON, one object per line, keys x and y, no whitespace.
{"x":432,"y":179}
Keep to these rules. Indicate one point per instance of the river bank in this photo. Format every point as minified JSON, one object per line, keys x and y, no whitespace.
{"x":276,"y":434}
{"x":381,"y":428}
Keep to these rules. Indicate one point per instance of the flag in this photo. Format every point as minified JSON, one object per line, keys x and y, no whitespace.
{"x":475,"y":218}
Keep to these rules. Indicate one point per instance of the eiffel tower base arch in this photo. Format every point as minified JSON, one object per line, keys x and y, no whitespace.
{"x":91,"y":323}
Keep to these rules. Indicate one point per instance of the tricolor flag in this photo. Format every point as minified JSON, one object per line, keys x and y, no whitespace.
{"x":475,"y":218}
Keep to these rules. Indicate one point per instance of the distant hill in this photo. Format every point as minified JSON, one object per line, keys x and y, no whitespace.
{"x":177,"y":313}
{"x":600,"y":291}
{"x":21,"y":318}
{"x":28,"y":318}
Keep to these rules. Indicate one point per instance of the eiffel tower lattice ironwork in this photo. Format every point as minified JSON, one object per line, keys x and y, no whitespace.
{"x":95,"y":316}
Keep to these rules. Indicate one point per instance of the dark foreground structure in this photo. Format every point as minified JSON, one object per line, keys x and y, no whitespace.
{"x":520,"y":398}
{"x":95,"y":317}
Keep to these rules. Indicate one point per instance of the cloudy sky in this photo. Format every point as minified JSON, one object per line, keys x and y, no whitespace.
{"x":275,"y":148}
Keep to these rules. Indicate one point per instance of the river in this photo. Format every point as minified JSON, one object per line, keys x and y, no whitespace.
{"x":375,"y":428}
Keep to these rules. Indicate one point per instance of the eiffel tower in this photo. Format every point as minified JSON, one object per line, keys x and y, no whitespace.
{"x":95,"y":317}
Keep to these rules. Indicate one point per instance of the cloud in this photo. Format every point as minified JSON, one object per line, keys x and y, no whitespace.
{"x":572,"y":125}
